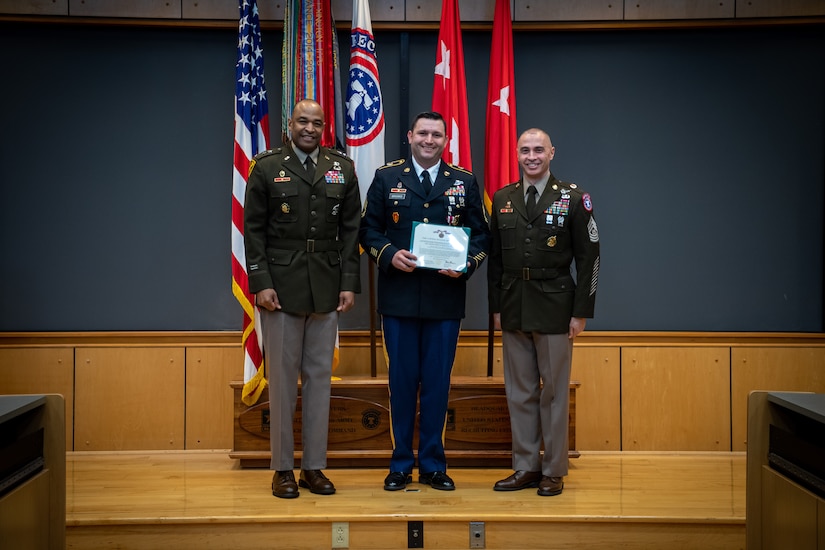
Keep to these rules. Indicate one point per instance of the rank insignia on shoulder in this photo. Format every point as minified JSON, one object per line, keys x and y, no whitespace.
{"x":460,"y":168}
{"x":394,"y":163}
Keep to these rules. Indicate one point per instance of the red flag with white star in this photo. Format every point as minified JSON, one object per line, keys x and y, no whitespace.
{"x":450,"y":86}
{"x":500,"y":162}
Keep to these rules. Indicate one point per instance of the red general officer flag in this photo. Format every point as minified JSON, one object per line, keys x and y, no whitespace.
{"x":501,"y":162}
{"x":450,"y":86}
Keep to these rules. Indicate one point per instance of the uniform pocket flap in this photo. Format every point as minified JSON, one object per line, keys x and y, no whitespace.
{"x":280,"y":257}
{"x":559,"y":284}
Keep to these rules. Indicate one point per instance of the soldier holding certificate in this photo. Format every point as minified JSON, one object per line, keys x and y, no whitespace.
{"x":421,"y":308}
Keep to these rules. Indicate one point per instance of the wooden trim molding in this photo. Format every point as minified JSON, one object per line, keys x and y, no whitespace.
{"x":360,"y":338}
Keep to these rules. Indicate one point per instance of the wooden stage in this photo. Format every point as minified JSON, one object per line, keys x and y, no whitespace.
{"x":205,"y":500}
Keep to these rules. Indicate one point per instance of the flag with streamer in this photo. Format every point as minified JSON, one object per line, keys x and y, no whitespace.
{"x":500,"y":162}
{"x":310,"y":68}
{"x":365,"y":104}
{"x":251,"y":137}
{"x":450,"y":86}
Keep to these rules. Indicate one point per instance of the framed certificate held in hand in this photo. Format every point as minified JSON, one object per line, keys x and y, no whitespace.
{"x":440,"y":246}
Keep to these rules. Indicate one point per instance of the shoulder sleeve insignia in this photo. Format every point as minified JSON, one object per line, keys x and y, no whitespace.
{"x":251,"y":166}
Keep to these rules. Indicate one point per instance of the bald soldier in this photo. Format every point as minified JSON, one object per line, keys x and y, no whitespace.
{"x":540,"y":226}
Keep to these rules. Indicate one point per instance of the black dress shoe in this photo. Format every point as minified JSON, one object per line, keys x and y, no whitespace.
{"x":316,"y":482}
{"x":550,"y":486}
{"x":397,"y":481}
{"x":520,"y":479}
{"x":283,"y":484}
{"x":437,"y":480}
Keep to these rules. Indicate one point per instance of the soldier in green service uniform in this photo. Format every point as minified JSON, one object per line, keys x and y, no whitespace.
{"x":301,"y":223}
{"x":540,"y":226}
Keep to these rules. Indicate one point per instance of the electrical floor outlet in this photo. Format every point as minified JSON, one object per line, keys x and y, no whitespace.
{"x":415,"y":534}
{"x":477,"y":535}
{"x":340,"y":535}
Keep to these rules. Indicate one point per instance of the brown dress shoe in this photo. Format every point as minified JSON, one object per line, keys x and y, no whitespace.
{"x":520,"y":479}
{"x":283,"y":484}
{"x":316,"y":482}
{"x":550,"y":486}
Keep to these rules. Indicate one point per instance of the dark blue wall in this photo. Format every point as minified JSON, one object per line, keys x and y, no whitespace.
{"x":704,"y":151}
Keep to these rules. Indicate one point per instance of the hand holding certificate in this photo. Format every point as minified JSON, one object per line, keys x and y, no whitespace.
{"x":440,"y":246}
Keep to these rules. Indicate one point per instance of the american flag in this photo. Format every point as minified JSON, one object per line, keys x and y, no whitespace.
{"x":251,"y":137}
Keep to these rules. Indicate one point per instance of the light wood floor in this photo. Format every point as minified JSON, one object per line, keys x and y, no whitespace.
{"x":205,"y":500}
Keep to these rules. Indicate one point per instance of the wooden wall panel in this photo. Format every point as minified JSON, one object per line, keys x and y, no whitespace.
{"x":598,"y":398}
{"x":676,"y":399}
{"x":40,"y":370}
{"x":166,"y":9}
{"x":770,"y":369}
{"x":682,"y":9}
{"x":129,"y":398}
{"x":470,"y":10}
{"x":355,"y":361}
{"x":779,"y":8}
{"x":211,"y":9}
{"x":35,"y":7}
{"x":563,"y":10}
{"x":385,"y":10}
{"x":209,"y":397}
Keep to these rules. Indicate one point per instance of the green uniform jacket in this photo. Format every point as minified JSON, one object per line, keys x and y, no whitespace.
{"x":301,"y":236}
{"x":529,"y":276}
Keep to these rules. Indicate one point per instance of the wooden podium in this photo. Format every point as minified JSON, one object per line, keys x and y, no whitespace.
{"x":477,"y":433}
